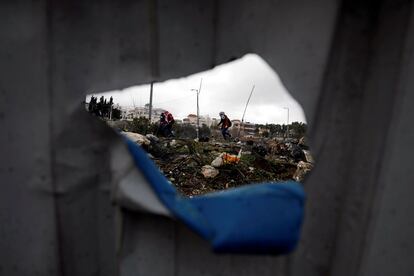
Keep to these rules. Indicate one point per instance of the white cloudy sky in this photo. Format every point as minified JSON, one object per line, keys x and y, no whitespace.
{"x":224,"y":88}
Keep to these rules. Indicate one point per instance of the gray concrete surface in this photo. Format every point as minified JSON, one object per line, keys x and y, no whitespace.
{"x":348,"y":64}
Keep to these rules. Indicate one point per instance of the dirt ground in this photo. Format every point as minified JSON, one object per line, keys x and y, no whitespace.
{"x":243,"y":162}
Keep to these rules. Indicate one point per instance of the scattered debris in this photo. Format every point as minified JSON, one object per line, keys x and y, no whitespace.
{"x":196,"y":167}
{"x":203,"y":139}
{"x":249,"y":142}
{"x":230,"y":158}
{"x":209,"y":171}
{"x":296,"y":152}
{"x":302,"y":169}
{"x":308,"y":156}
{"x":302,"y":143}
{"x":260,"y":150}
{"x":218,"y":162}
{"x":152,"y":137}
{"x":138,"y":138}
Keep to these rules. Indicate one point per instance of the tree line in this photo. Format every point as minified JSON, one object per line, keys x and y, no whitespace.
{"x":103,"y":108}
{"x":296,"y":129}
{"x":143,"y":126}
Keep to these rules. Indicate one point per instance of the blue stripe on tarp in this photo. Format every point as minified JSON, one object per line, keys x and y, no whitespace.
{"x":258,"y":218}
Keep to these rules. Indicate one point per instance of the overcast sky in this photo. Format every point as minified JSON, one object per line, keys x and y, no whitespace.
{"x":224,"y":88}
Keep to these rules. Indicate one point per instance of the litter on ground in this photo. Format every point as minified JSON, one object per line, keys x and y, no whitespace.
{"x":196,"y":167}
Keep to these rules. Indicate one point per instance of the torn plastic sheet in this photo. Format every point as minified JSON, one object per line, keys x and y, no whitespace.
{"x":255,"y":219}
{"x":131,"y":189}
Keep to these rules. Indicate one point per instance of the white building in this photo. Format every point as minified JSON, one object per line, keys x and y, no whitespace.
{"x":137,"y":112}
{"x":192,"y":120}
{"x":246,"y":128}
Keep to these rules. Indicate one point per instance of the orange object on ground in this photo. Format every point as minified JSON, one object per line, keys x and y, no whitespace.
{"x":230,"y":159}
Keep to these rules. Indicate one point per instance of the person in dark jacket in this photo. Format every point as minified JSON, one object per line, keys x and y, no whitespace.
{"x":225,"y":124}
{"x":166,"y":123}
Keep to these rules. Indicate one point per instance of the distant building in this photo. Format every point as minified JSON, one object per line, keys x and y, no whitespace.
{"x":246,"y":128}
{"x":208,"y":121}
{"x":192,"y":118}
{"x":235,"y":123}
{"x":203,"y":121}
{"x":137,"y":112}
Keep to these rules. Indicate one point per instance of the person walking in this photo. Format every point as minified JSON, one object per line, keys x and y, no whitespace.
{"x":225,"y":124}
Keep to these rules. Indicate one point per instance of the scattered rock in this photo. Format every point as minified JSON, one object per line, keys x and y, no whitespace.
{"x":209,"y":171}
{"x":302,"y":169}
{"x":308,"y":157}
{"x":223,"y":165}
{"x":297,"y":153}
{"x":277,"y":148}
{"x":152,"y":137}
{"x":138,"y":138}
{"x":218,"y":161}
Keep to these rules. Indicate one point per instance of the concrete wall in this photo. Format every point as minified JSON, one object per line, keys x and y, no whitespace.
{"x":27,"y":206}
{"x":347,"y":63}
{"x":389,"y":238}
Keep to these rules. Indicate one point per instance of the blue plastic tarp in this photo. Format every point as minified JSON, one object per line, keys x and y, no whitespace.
{"x":256,"y":219}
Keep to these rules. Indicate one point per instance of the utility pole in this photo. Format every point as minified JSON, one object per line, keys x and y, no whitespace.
{"x":150,"y":103}
{"x":198,"y":109}
{"x":244,"y":112}
{"x":287,"y":126}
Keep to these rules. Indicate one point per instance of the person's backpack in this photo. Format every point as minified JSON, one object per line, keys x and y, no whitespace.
{"x":170,"y":118}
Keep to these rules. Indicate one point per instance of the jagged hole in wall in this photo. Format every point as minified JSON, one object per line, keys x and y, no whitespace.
{"x":265,"y":142}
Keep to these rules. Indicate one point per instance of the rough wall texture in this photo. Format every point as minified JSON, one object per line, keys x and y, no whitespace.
{"x":360,"y":90}
{"x":27,"y":206}
{"x":389,"y":239}
{"x":349,"y":65}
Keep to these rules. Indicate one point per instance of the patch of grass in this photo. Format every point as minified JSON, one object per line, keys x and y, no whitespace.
{"x":248,"y":159}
